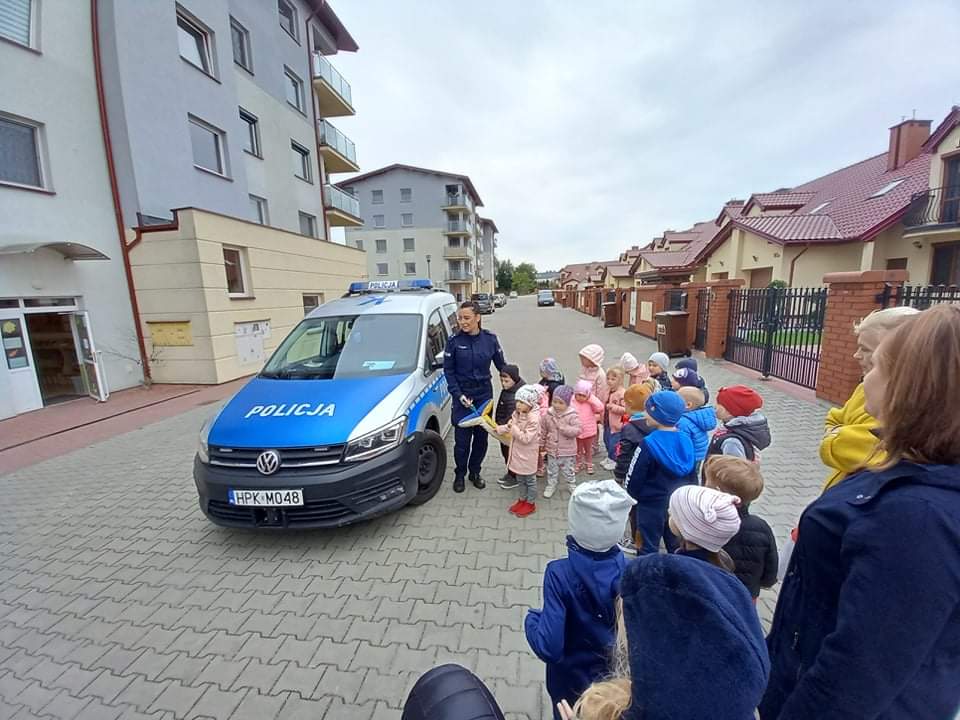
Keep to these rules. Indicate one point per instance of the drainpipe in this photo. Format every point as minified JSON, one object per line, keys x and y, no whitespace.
{"x":114,"y":188}
{"x":794,"y":262}
{"x":316,"y":129}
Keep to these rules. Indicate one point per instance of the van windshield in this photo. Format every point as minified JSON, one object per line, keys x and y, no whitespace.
{"x":347,"y":346}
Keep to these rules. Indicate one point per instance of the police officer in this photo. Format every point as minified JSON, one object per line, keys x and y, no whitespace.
{"x":466,"y":364}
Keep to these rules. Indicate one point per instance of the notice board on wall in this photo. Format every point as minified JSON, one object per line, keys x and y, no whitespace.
{"x":249,"y":338}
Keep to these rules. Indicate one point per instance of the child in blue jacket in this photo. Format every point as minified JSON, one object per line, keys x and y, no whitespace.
{"x":661,"y":463}
{"x":575,"y":631}
{"x":697,"y":423}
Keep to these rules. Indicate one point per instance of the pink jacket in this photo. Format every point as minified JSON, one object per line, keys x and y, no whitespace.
{"x":598,"y":379}
{"x":560,"y":431}
{"x":615,"y":410}
{"x":525,"y":443}
{"x":588,"y":411}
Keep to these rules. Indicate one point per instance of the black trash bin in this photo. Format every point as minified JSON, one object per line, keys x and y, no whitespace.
{"x":672,"y":332}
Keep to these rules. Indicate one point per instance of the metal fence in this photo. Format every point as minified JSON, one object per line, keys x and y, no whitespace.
{"x":777,"y":331}
{"x":675,"y":299}
{"x":919,"y":296}
{"x":703,"y":315}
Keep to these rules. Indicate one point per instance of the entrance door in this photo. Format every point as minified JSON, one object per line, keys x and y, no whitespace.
{"x":761,"y":277}
{"x":19,"y":391}
{"x":89,"y":359}
{"x":950,"y":213}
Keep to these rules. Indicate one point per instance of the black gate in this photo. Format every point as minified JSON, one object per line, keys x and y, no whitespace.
{"x":777,"y":331}
{"x":919,"y":296}
{"x":703,"y":312}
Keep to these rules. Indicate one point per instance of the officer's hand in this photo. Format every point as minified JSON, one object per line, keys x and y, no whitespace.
{"x":465,"y":401}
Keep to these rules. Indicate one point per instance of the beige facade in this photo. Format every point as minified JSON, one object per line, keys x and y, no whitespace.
{"x":198,"y":332}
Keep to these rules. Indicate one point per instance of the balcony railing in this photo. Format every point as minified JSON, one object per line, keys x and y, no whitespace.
{"x":938,"y":206}
{"x":335,"y":139}
{"x":456,"y":200}
{"x":459,"y":275}
{"x":458,"y":226}
{"x":327,"y":72}
{"x":337,"y":199}
{"x":456,"y":251}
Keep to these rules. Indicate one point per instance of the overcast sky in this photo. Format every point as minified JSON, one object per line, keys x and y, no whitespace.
{"x":590,"y":127}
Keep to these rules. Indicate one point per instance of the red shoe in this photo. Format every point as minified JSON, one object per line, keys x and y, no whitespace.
{"x":516,"y":506}
{"x":528,"y":508}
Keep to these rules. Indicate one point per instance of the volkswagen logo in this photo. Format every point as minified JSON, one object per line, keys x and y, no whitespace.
{"x":268,"y":461}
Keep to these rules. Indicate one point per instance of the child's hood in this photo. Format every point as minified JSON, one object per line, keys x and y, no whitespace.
{"x":754,"y":427}
{"x":569,"y":411}
{"x":598,"y":574}
{"x":704,"y":418}
{"x":672,"y":450}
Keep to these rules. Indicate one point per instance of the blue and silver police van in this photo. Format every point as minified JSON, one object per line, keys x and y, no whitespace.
{"x":345,"y":422}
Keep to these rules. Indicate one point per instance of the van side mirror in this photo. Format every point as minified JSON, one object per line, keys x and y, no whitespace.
{"x":437,"y":363}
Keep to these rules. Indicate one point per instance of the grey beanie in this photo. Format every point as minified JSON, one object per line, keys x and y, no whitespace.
{"x":661,"y":359}
{"x":598,"y":513}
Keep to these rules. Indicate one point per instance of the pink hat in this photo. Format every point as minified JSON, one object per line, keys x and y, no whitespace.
{"x":583,"y":387}
{"x":593,"y":353}
{"x":706,"y":517}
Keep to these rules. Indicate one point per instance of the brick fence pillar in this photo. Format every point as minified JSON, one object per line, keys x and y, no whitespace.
{"x":719,"y":316}
{"x":851,"y":296}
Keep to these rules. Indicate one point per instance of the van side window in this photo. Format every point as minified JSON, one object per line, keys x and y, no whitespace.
{"x":436,"y":336}
{"x":451,"y":311}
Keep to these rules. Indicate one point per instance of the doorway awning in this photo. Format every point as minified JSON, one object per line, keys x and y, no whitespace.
{"x":71,"y":251}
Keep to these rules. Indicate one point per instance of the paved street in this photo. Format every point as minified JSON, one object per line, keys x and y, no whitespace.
{"x":118,"y":599}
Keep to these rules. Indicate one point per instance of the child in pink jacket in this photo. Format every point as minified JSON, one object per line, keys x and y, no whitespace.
{"x":561,"y":426}
{"x":524,"y":429}
{"x":591,"y":369}
{"x":613,"y":416}
{"x":590,"y":409}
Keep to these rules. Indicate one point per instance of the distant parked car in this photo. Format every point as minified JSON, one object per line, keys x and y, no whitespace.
{"x":514,"y":294}
{"x":484,"y":302}
{"x":499,"y":300}
{"x":545,"y":297}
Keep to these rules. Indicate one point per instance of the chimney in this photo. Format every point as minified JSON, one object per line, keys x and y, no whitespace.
{"x":906,"y":139}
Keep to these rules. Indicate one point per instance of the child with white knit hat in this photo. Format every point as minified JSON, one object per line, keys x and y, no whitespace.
{"x":704,"y":520}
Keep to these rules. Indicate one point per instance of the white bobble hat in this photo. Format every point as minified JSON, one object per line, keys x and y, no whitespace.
{"x":706,"y":517}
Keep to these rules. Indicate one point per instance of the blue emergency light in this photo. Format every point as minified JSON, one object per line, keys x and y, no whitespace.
{"x":371,"y":286}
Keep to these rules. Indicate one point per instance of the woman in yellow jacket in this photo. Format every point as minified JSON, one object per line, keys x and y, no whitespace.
{"x":849,"y":439}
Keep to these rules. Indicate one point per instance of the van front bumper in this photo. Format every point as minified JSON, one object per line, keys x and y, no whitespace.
{"x":333,"y":496}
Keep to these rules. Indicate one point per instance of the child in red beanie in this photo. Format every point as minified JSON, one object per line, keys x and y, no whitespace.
{"x":745,"y":431}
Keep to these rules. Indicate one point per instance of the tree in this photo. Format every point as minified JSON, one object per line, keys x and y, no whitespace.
{"x":525,"y":278}
{"x":504,"y":276}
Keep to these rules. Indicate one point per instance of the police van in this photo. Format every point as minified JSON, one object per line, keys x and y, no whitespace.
{"x":346,"y":420}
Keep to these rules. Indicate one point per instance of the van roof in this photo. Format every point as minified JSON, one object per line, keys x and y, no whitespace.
{"x":388,"y":303}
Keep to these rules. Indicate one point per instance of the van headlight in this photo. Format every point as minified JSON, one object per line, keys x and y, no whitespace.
{"x":377,"y":442}
{"x":203,"y":448}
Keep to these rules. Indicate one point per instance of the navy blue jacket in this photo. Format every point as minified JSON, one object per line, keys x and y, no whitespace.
{"x":868,"y":620}
{"x":697,"y":425}
{"x":466,"y":365}
{"x":630,"y":436}
{"x":575,"y":631}
{"x":662,"y":462}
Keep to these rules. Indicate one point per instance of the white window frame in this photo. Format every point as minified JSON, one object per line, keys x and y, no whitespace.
{"x":382,"y":223}
{"x":39,"y":146}
{"x":244,"y":271}
{"x":409,"y":192}
{"x":311,"y":221}
{"x":261,"y":209}
{"x":208,"y":53}
{"x":374,"y":195}
{"x":32,"y":26}
{"x":319,"y":300}
{"x":237,"y":26}
{"x":295,"y":81}
{"x":386,"y":268}
{"x":221,"y":137}
{"x":252,"y":133}
{"x":294,"y":19}
{"x":402,"y":219}
{"x":377,"y":245}
{"x":413,"y":245}
{"x":306,"y":163}
{"x":407,"y":265}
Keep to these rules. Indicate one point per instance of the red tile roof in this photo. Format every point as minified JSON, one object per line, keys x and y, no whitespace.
{"x":784,"y":228}
{"x":619,"y":270}
{"x":777,"y":200}
{"x":696,"y":238}
{"x":943,"y":129}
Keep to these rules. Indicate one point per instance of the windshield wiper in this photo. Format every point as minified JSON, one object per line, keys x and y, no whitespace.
{"x":282,"y":374}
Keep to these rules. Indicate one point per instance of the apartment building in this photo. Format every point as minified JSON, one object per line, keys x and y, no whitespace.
{"x":422,"y":223}
{"x":65,"y":316}
{"x":486,"y":255}
{"x":223,"y":143}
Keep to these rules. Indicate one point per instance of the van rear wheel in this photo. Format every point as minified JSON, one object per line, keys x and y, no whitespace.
{"x":431,"y":466}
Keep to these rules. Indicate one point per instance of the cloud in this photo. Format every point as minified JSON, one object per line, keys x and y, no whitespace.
{"x":591,"y":127}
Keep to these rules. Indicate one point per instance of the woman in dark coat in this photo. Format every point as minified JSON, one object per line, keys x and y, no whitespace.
{"x":466,"y":365}
{"x":867,"y":624}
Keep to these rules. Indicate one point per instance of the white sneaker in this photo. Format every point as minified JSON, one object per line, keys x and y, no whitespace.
{"x":608,"y":464}
{"x":627,"y":546}
{"x":549,"y":490}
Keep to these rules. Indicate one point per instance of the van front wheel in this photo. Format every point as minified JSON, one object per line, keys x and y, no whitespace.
{"x":431,"y":466}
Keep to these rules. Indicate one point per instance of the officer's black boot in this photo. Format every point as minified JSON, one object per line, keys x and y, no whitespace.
{"x":477,"y":481}
{"x":458,"y":484}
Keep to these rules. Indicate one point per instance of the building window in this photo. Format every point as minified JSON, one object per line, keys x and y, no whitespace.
{"x":308,"y":224}
{"x":406,"y":219}
{"x":259,"y":206}
{"x":295,"y":95}
{"x":376,"y":197}
{"x":208,"y":144}
{"x":946,"y":265}
{"x":359,"y":244}
{"x":351,"y":191}
{"x":406,"y":195}
{"x":20,"y":153}
{"x":409,"y":244}
{"x":235,"y":266}
{"x":381,"y":246}
{"x":896,"y":264}
{"x":288,"y":18}
{"x":301,"y":161}
{"x":252,"y":140}
{"x":886,"y":188}
{"x":311,"y":302}
{"x":196,"y":46}
{"x":381,"y":268}
{"x":410,"y":268}
{"x":16,"y":21}
{"x":242,"y":55}
{"x":378,"y":221}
